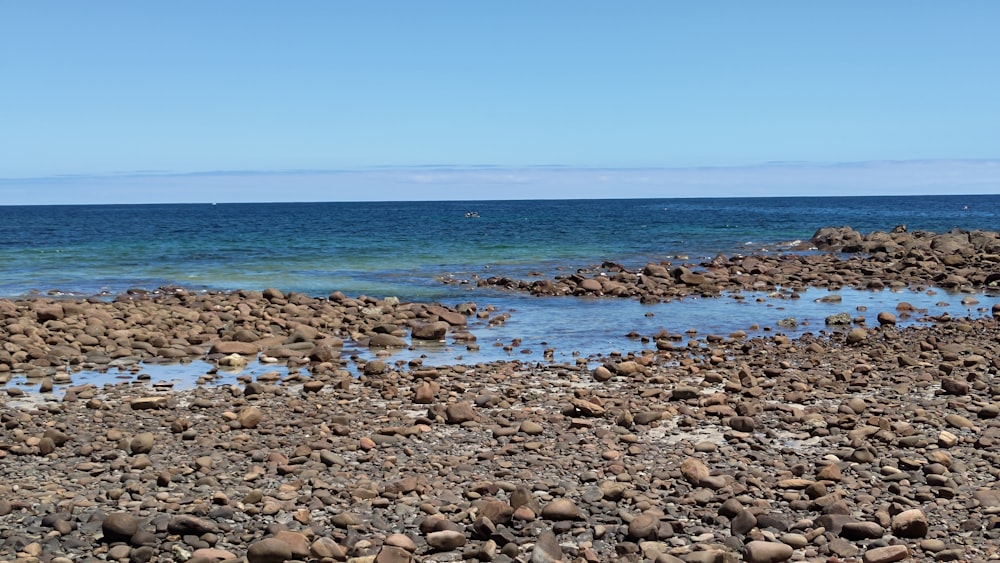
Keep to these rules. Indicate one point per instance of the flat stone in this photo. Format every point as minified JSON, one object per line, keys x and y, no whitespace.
{"x":446,"y":540}
{"x":767,"y":552}
{"x":887,"y":554}
{"x":561,"y":509}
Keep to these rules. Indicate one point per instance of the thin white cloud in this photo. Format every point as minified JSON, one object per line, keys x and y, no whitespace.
{"x":487,"y":182}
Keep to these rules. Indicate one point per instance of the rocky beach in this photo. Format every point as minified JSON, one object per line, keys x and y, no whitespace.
{"x":868,"y":442}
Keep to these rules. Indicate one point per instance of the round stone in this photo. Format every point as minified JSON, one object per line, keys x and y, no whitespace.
{"x":119,"y":526}
{"x":269,"y":550}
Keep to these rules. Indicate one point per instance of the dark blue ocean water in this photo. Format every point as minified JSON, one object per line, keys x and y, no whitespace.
{"x":404,"y":249}
{"x":407,"y":249}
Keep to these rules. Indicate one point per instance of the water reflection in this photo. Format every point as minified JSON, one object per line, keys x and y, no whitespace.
{"x":567,"y":330}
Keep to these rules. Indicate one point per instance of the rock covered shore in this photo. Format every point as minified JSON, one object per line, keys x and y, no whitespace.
{"x":873,"y":444}
{"x":956,"y":260}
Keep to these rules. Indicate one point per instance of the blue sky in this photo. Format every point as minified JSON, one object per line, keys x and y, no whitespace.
{"x":310,"y":100}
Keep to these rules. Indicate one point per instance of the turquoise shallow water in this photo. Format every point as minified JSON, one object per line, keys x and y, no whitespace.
{"x":408,"y":249}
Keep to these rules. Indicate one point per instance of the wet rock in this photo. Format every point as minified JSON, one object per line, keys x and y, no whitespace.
{"x":430,"y":331}
{"x":226,"y":349}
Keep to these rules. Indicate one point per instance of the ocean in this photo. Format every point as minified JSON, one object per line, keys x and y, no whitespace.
{"x":410,"y":249}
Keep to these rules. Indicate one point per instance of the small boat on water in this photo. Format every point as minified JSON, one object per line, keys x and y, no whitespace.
{"x":472,"y":215}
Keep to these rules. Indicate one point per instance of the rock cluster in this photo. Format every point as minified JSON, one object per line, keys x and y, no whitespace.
{"x":45,"y":337}
{"x":956,"y":260}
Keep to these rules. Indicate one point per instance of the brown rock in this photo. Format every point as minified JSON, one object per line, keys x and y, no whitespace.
{"x":269,"y":550}
{"x":46,"y":446}
{"x":531,"y":428}
{"x":212,"y":554}
{"x":430,"y":331}
{"x":381,"y":340}
{"x":643,"y":527}
{"x":457,"y":413}
{"x":857,"y":335}
{"x":375,"y":367}
{"x":742,"y":423}
{"x":561,"y":509}
{"x":450,"y":317}
{"x":767,"y":552}
{"x":830,"y":472}
{"x":446,"y":540}
{"x":587,"y":408}
{"x":148,"y":403}
{"x":187,"y":524}
{"x":401,"y":541}
{"x":694,"y":470}
{"x":227,"y":348}
{"x":958,"y":421}
{"x":743,"y":522}
{"x":497,"y":511}
{"x":886,"y":554}
{"x":426,"y":392}
{"x":142,"y":444}
{"x":393,"y":554}
{"x":250,"y":417}
{"x":886,"y":318}
{"x":602,"y":373}
{"x":119,"y":526}
{"x":297,"y":543}
{"x":910,"y":524}
{"x":547,"y":548}
{"x":325,"y":547}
